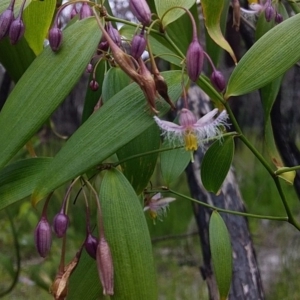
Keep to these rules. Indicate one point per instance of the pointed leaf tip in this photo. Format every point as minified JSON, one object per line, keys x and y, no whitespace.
{"x":221,"y":253}
{"x":212,"y":11}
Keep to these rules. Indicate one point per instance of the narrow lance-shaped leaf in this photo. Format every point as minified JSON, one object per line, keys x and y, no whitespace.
{"x":37,"y":18}
{"x":213,"y":49}
{"x":272,"y":55}
{"x":173,"y":14}
{"x":18,"y":179}
{"x":138,"y":171}
{"x":212,"y":11}
{"x":173,"y":163}
{"x":121,"y":119}
{"x":216,"y":164}
{"x":221,"y":253}
{"x":128,"y":238}
{"x":44,"y":86}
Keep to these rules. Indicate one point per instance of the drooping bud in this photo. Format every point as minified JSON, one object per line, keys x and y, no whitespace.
{"x":141,"y":11}
{"x":85,"y":11}
{"x":269,"y":13}
{"x":43,"y":237}
{"x":147,"y":85}
{"x":94,"y":85}
{"x":218,"y":80}
{"x":162,"y":89}
{"x":60,"y":224}
{"x":55,"y":38}
{"x":113,"y":33}
{"x":138,"y":45}
{"x":16,"y":30}
{"x":6,"y":19}
{"x":105,"y":267}
{"x":278,"y":18}
{"x":90,"y":245}
{"x":194,"y":60}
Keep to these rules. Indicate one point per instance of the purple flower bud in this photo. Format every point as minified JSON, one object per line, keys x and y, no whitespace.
{"x":16,"y":30}
{"x":94,"y":85}
{"x":113,"y":33}
{"x":269,"y":13}
{"x":6,"y":19}
{"x":90,"y":245}
{"x":85,"y":11}
{"x":60,"y":224}
{"x":278,"y":18}
{"x":43,"y":237}
{"x":194,"y":60}
{"x":218,"y":80}
{"x":55,"y":38}
{"x":138,"y":45}
{"x":102,"y":47}
{"x":141,"y":11}
{"x":105,"y":267}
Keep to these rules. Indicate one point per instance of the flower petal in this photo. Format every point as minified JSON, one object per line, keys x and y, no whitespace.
{"x":168,"y":126}
{"x":206,"y":119}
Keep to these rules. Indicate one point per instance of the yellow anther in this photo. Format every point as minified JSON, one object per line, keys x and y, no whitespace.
{"x":190,"y":140}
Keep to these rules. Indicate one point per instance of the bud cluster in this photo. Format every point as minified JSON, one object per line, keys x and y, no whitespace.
{"x":10,"y":26}
{"x":271,"y":13}
{"x":97,"y":248}
{"x":55,"y":34}
{"x":194,"y":64}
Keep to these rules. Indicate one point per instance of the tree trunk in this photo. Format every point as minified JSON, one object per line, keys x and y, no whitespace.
{"x":246,"y":282}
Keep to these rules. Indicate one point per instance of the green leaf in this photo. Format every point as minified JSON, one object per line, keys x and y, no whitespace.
{"x":212,"y":11}
{"x":173,"y":14}
{"x":18,"y":179}
{"x":121,"y":119}
{"x":86,"y":287}
{"x":216,"y":164}
{"x":138,"y":171}
{"x":15,"y":58}
{"x":212,"y":48}
{"x":114,"y":81}
{"x":272,"y":55}
{"x":173,"y":163}
{"x":128,"y":238}
{"x":92,"y":97}
{"x":37,"y":17}
{"x":268,"y":96}
{"x":44,"y":86}
{"x":221,"y":253}
{"x":4,"y":4}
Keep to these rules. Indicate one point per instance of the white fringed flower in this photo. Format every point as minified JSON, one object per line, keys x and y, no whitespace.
{"x":157,"y":206}
{"x":191,"y":132}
